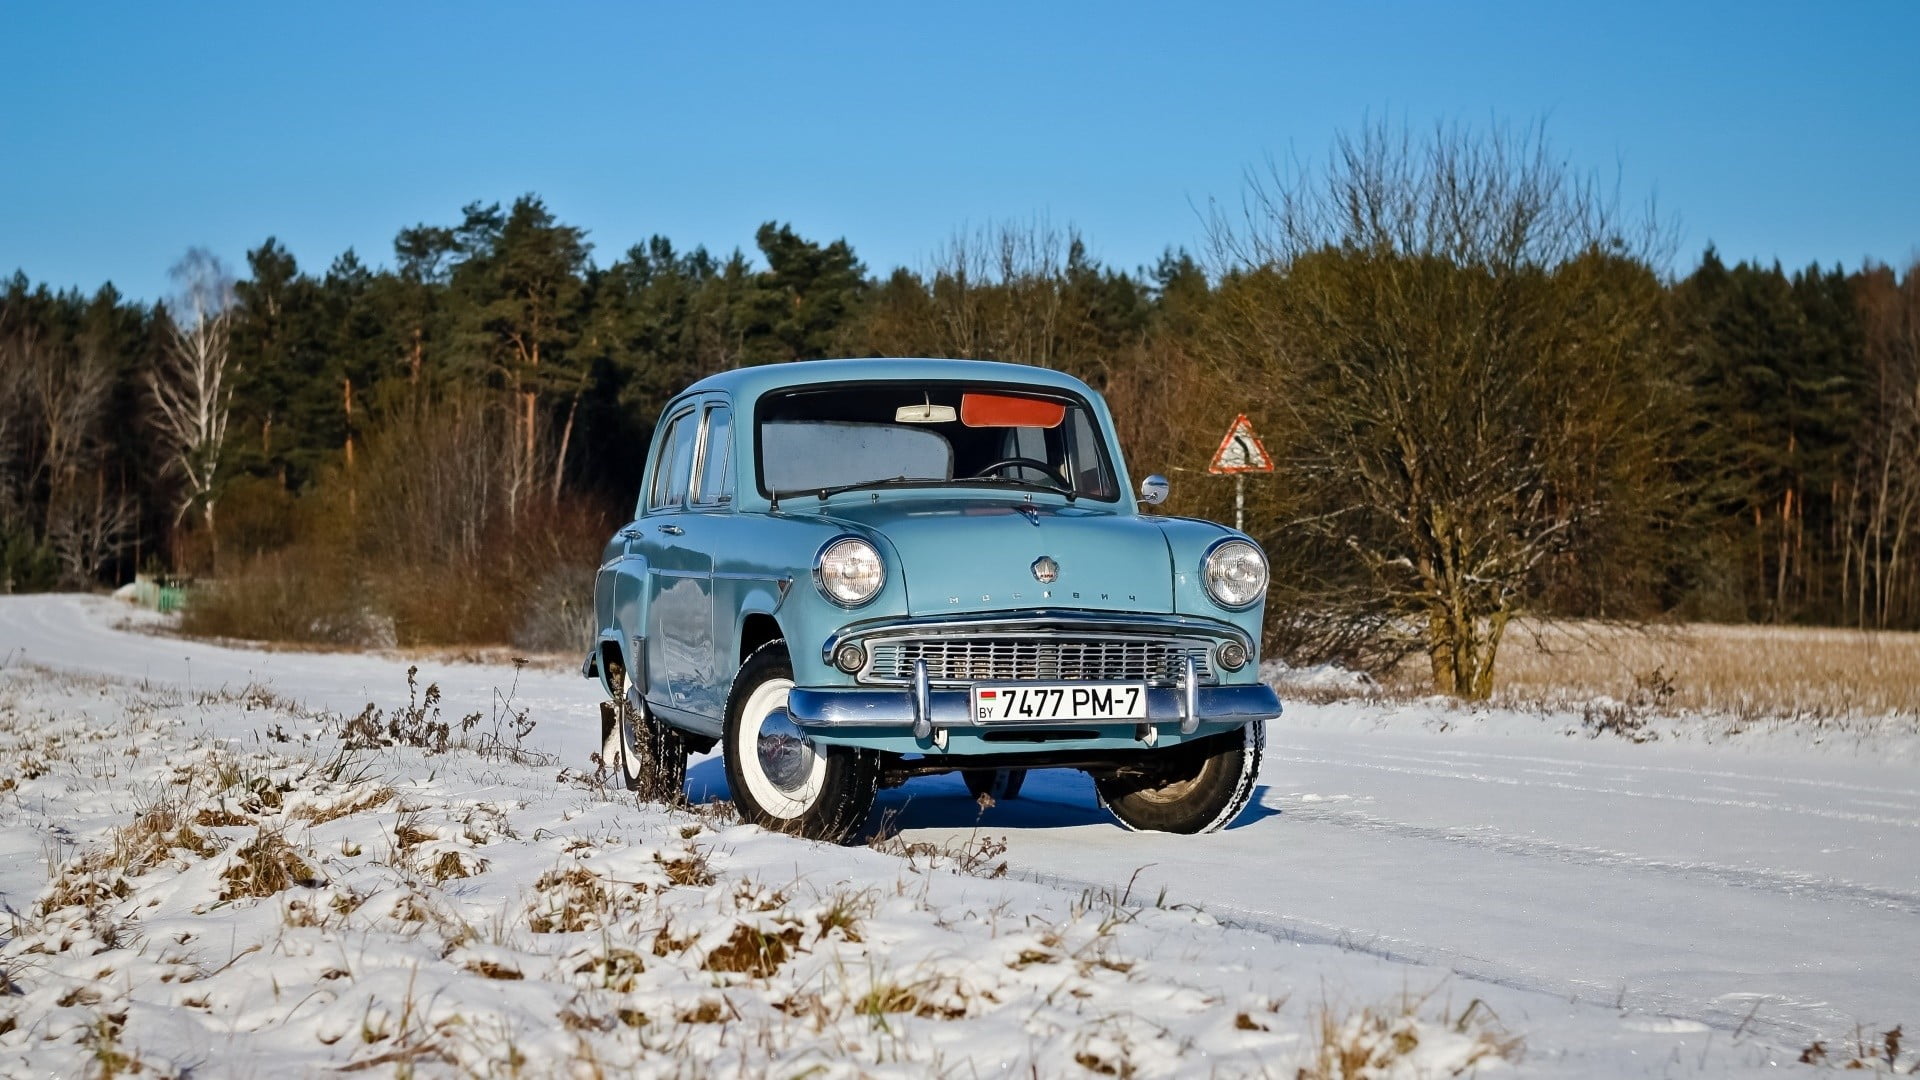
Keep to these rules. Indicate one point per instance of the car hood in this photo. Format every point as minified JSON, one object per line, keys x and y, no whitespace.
{"x":978,"y":555}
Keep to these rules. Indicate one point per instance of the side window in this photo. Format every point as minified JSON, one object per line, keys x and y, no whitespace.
{"x":716,"y":467}
{"x":1026,"y":442}
{"x":675,"y":467}
{"x":1090,"y":474}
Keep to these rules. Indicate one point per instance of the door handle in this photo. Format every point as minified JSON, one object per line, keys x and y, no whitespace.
{"x":672,"y":530}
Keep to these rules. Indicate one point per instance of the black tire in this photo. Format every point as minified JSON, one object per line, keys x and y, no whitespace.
{"x":1198,"y":788}
{"x":779,"y":779}
{"x":643,"y":754}
{"x":998,"y":784}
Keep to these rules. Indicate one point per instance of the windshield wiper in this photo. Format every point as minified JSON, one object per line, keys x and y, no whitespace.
{"x":828,"y":492}
{"x":1014,"y":481}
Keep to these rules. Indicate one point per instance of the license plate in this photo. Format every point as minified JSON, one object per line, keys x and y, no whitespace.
{"x":1042,"y":702}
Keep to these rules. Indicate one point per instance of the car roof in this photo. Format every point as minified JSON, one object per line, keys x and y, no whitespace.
{"x":747,"y":384}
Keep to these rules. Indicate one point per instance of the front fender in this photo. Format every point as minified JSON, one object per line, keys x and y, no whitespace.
{"x":1187,"y":542}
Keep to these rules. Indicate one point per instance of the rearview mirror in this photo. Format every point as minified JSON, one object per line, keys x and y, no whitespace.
{"x":1153,"y":490}
{"x":925,"y":414}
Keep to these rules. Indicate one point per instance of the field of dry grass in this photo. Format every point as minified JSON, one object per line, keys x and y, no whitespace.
{"x":1749,"y":672}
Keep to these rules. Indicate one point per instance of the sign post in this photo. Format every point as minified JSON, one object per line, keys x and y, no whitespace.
{"x":1240,"y":453}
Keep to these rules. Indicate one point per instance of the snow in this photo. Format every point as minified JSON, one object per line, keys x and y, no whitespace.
{"x":1415,"y":882}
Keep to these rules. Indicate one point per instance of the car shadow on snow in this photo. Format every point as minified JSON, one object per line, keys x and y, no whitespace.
{"x":1050,"y":799}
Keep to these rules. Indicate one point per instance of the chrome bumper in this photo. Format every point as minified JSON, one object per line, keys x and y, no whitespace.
{"x":925,"y":709}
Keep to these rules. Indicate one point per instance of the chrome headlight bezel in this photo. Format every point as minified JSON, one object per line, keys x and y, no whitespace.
{"x":842,"y":565}
{"x":1224,"y":575}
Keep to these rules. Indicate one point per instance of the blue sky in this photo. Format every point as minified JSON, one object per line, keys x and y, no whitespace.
{"x":129,"y":132}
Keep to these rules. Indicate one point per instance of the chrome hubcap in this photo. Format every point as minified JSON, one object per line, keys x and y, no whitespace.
{"x":786,"y":755}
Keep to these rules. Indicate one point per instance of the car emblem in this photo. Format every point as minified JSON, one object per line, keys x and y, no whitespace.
{"x":1045,"y":569}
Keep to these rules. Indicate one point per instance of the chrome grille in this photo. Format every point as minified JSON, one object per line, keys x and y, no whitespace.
{"x":968,"y":659}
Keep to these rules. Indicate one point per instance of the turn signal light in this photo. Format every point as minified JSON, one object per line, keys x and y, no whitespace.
{"x":1232,"y":656}
{"x":850,"y":658}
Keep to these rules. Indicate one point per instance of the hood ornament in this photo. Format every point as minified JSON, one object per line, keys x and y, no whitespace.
{"x":1045,"y":569}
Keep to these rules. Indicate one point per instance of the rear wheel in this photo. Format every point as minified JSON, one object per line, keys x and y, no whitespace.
{"x":997,"y":784}
{"x":779,"y":778}
{"x":1194,"y":788}
{"x":643,"y":754}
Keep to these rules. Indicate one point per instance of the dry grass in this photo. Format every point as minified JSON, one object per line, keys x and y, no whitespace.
{"x":754,"y":952}
{"x":1399,"y":1040}
{"x":265,"y":866}
{"x":1748,"y":672}
{"x":1884,"y":1055}
{"x":980,"y":856}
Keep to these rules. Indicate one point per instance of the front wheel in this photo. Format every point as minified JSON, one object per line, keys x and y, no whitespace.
{"x":779,"y":778}
{"x":1194,"y":788}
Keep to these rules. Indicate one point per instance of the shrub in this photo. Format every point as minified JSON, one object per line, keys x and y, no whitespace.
{"x":432,"y":540}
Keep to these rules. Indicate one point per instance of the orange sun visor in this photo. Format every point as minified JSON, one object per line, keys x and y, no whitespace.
{"x":1008,"y":410}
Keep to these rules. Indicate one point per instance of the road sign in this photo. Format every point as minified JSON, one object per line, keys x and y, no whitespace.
{"x":1241,"y":451}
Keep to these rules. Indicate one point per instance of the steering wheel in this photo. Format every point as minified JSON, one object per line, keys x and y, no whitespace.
{"x":1022,"y":462}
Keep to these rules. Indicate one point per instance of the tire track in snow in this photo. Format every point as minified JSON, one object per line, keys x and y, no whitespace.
{"x":1799,"y":886}
{"x":1785,"y":1032}
{"x":1465,"y":758}
{"x":1625,"y":793}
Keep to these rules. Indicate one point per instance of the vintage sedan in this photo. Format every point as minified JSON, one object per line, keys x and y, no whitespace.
{"x":849,"y":573}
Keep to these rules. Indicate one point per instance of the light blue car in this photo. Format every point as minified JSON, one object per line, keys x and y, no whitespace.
{"x":849,"y":573}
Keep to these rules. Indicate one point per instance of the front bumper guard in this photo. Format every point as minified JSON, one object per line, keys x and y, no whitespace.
{"x":925,"y":709}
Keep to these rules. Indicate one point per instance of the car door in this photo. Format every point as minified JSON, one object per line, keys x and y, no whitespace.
{"x":679,"y":573}
{"x":710,"y":515}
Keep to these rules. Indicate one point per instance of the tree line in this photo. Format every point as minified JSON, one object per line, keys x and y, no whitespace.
{"x":1485,"y":394}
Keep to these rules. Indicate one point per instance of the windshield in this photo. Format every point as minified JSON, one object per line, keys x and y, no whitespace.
{"x":832,"y":438}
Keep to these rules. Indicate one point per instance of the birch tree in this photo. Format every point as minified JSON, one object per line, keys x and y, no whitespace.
{"x":192,"y":384}
{"x":1885,"y":514}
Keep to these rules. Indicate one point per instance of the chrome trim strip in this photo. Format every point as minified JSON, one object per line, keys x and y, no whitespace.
{"x":1059,"y":622}
{"x":1090,"y":655}
{"x":922,"y":701}
{"x":1189,"y":698}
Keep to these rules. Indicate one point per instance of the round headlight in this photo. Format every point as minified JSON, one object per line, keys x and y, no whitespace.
{"x":1235,"y":573}
{"x":849,"y":571}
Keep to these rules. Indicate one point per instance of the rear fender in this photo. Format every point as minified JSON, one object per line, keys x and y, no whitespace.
{"x":620,"y":605}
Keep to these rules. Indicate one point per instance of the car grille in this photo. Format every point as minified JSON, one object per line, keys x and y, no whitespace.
{"x":952,"y":660}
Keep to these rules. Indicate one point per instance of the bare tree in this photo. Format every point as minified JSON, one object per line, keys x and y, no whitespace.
{"x":1454,"y":340}
{"x":88,"y":530}
{"x":192,"y":389}
{"x":1884,"y":514}
{"x":997,"y":292}
{"x":69,"y":387}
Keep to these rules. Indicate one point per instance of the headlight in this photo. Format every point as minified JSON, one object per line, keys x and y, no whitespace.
{"x":1235,"y":573}
{"x":848,"y":571}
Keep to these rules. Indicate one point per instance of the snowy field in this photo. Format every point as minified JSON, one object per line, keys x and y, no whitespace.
{"x":202,"y":878}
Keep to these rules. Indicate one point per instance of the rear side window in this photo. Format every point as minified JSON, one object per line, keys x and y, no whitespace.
{"x":675,"y":467}
{"x":716,"y":467}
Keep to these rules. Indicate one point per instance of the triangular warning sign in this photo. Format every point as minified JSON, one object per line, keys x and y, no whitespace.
{"x":1241,"y":451}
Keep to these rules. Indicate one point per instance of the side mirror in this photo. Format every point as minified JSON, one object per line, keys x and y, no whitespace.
{"x":1153,"y":490}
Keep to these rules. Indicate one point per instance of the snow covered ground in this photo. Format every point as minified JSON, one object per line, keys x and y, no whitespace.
{"x":1703,"y":902}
